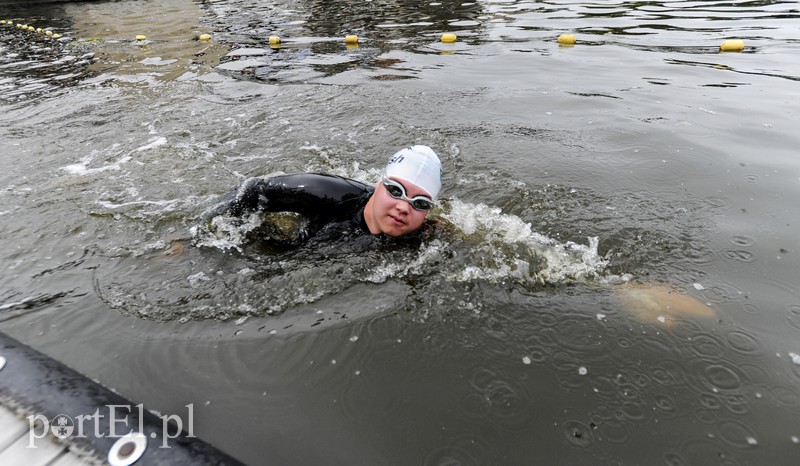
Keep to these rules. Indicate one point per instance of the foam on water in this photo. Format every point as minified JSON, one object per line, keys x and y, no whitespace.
{"x":427,"y":255}
{"x":225,"y":233}
{"x":152,"y":143}
{"x":82,"y":168}
{"x":510,"y":249}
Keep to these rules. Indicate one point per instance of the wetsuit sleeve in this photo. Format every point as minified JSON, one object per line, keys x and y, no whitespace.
{"x":312,"y":194}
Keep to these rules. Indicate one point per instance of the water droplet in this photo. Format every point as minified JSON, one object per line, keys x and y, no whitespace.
{"x":578,"y":433}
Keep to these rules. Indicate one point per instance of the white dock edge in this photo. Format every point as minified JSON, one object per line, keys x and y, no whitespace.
{"x":14,"y":444}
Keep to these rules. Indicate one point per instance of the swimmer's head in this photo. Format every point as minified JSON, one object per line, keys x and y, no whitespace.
{"x":418,"y":165}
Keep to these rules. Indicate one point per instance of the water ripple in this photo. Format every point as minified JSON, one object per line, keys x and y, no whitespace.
{"x":793,"y":316}
{"x":722,"y":377}
{"x":743,"y":342}
{"x":665,"y":403}
{"x":742,"y":241}
{"x":738,"y":255}
{"x":462,"y":451}
{"x":737,"y":434}
{"x":578,"y":433}
{"x":35,"y":65}
{"x":668,"y":373}
{"x":499,"y":400}
{"x":707,"y":345}
{"x":672,"y":458}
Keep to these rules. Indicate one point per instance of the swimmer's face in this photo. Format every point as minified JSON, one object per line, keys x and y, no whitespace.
{"x":394,"y":217}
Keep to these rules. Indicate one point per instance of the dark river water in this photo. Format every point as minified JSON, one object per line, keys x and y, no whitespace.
{"x":615,"y":279}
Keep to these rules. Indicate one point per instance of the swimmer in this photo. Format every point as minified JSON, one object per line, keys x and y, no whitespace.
{"x":397,"y":206}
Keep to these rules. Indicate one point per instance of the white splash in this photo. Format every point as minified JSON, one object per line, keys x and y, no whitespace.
{"x":340,"y":166}
{"x":225,"y":233}
{"x":510,"y":249}
{"x":152,"y":143}
{"x":428,"y":254}
{"x":82,"y":168}
{"x":196,"y":279}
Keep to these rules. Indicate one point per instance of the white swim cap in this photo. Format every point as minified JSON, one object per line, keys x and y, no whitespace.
{"x":418,"y":165}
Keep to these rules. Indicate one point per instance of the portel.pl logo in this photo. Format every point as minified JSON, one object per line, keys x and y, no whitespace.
{"x":118,"y":425}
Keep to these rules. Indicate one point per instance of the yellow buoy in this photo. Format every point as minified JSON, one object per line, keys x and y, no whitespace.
{"x":56,"y":36}
{"x":351,"y":39}
{"x":48,"y":33}
{"x":2,"y":21}
{"x":31,"y":28}
{"x":566,"y":39}
{"x":141,"y":37}
{"x":449,"y":38}
{"x":732,"y":45}
{"x":205,"y":37}
{"x":39,"y":30}
{"x":274,"y":40}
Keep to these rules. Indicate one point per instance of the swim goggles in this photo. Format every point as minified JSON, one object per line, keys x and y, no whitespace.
{"x":398,"y":191}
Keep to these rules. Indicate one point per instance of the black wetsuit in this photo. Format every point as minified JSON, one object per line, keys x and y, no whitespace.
{"x":333,"y":206}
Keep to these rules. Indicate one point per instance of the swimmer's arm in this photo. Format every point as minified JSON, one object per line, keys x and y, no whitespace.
{"x":309,"y":194}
